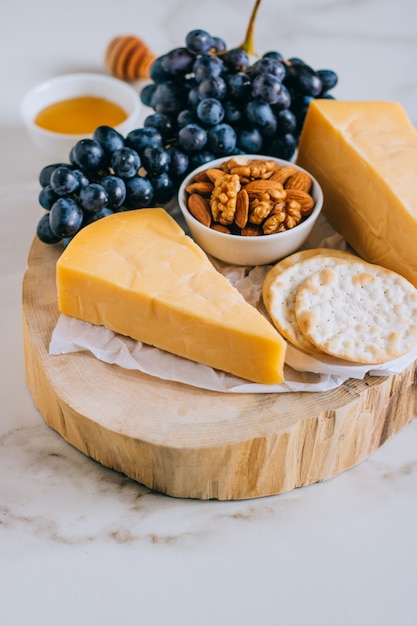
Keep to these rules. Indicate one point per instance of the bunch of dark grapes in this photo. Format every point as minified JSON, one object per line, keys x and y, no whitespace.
{"x":105,"y":174}
{"x":208,"y":102}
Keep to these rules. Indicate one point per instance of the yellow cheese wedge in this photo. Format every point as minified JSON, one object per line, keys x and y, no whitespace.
{"x":364,"y":155}
{"x":138,"y":274}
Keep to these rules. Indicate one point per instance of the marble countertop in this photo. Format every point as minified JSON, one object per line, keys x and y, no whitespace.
{"x":81,"y":544}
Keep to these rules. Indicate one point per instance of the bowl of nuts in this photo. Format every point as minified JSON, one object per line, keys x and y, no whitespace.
{"x":250,"y":209}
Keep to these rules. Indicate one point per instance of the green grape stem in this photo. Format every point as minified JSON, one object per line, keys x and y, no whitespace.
{"x":249,"y":43}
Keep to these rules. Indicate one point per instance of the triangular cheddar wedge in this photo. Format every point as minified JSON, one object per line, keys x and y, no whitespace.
{"x":138,"y":274}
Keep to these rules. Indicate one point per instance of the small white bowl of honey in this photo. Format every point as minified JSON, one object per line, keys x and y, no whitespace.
{"x":65,"y":109}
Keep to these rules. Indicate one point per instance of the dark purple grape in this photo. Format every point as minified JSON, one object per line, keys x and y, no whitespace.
{"x":239,"y":85}
{"x":47,"y":197}
{"x":193,"y":97}
{"x":178,"y":62}
{"x":82,"y":178}
{"x":328,"y":79}
{"x":44,"y":232}
{"x":168,"y":98}
{"x":199,"y":41}
{"x":219,"y":45}
{"x":157,"y":73}
{"x":192,"y":138}
{"x":139,"y":138}
{"x":200,"y":158}
{"x":260,"y":115}
{"x":155,"y":160}
{"x":72,"y":159}
{"x":65,"y":217}
{"x":272,"y":54}
{"x":249,"y":140}
{"x":46,"y":172}
{"x":116,"y":190}
{"x":268,"y":65}
{"x":283,"y":147}
{"x":125,"y":162}
{"x":162,"y":122}
{"x":93,"y":197}
{"x":179,"y":163}
{"x":63,"y":181}
{"x":187,"y":116}
{"x":283,"y":100}
{"x":295,"y":61}
{"x":109,"y":139}
{"x":267,"y":87}
{"x":88,"y":155}
{"x":299,"y":108}
{"x":147,"y":93}
{"x":210,"y":111}
{"x":163,"y":188}
{"x":303,"y":80}
{"x":232,"y":113}
{"x":139,"y":193}
{"x":236,"y":60}
{"x":286,"y":122}
{"x":213,"y":87}
{"x":97,"y":215}
{"x":207,"y":66}
{"x":221,"y":139}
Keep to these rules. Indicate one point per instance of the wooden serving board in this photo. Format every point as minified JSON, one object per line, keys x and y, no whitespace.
{"x":191,"y":443}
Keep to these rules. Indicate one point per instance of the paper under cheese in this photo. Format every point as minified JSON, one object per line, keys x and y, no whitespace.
{"x":364,"y":155}
{"x":138,"y":274}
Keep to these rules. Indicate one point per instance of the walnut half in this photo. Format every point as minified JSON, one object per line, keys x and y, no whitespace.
{"x":224,"y":197}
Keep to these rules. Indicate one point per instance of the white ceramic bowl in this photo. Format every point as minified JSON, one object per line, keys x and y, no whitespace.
{"x":58,"y":145}
{"x":241,"y":250}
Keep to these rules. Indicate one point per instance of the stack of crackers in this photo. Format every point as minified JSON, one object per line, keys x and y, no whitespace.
{"x":330,"y":302}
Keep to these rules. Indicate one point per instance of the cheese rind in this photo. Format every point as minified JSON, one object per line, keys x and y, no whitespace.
{"x":364,"y":155}
{"x":138,"y":274}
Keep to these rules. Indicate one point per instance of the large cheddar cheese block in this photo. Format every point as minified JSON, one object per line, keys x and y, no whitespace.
{"x":364,"y":155}
{"x":138,"y":274}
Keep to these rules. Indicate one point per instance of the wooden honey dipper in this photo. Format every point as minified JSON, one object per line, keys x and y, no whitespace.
{"x":129,"y":58}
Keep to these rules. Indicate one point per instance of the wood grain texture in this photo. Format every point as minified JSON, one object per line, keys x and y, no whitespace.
{"x":191,"y":443}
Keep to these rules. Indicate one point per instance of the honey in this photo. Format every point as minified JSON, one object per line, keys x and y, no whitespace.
{"x":83,"y":114}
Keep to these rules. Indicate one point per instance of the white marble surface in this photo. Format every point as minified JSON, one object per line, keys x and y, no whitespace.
{"x":80,"y":544}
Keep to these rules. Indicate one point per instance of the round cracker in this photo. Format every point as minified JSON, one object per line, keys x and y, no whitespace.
{"x":359,"y":312}
{"x":282,"y":282}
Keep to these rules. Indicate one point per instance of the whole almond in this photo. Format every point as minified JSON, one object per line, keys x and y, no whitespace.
{"x":199,"y":208}
{"x":202,"y":187}
{"x":242,"y":208}
{"x":221,"y":228}
{"x":258,"y":187}
{"x":284,"y":173}
{"x":213,"y":173}
{"x":300,"y":180}
{"x":201,"y":176}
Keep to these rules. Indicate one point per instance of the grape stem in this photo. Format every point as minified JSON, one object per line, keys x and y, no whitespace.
{"x":249,"y":43}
